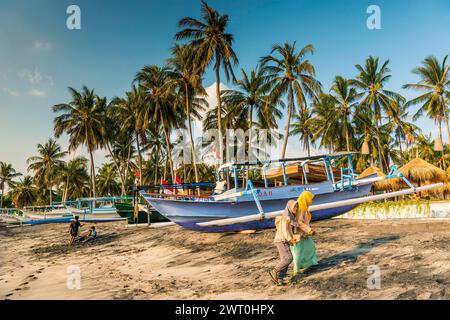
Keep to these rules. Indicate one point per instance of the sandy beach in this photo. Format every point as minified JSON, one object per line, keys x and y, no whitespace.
{"x":173,"y":263}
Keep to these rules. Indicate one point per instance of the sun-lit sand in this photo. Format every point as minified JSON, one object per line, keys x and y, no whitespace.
{"x":173,"y":263}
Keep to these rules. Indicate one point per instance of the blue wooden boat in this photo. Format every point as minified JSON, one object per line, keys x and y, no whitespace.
{"x":188,"y":211}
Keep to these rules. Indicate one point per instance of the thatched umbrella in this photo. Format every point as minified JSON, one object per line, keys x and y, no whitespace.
{"x":381,"y":185}
{"x":419,"y":172}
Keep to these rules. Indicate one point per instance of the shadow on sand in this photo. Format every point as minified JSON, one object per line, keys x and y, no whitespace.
{"x":348,"y":256}
{"x":62,"y":248}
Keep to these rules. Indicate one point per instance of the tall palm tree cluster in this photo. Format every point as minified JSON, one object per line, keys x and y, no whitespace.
{"x":136,"y":130}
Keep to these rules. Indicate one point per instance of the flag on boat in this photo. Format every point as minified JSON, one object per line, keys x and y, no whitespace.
{"x":179,"y":191}
{"x":167,"y":190}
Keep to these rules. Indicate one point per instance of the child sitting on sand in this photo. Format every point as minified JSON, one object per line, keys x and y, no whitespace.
{"x":90,"y":234}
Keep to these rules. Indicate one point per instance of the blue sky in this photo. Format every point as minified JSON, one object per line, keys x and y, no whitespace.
{"x":40,"y":57}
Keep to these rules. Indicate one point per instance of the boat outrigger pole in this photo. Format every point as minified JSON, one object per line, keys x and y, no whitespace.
{"x":342,"y":203}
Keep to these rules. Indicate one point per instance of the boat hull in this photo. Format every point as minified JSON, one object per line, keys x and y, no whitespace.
{"x":188,"y":213}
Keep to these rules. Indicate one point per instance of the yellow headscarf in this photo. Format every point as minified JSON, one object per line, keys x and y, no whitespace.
{"x":305,"y":200}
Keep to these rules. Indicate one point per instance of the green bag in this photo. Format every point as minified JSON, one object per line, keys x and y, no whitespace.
{"x":304,"y":254}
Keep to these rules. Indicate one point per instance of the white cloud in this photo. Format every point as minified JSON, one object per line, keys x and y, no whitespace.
{"x":37,"y":93}
{"x":12,"y":93}
{"x":39,"y":45}
{"x":33,"y":77}
{"x":36,"y":79}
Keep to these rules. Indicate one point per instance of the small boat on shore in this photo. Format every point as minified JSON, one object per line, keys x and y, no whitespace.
{"x":125,"y":210}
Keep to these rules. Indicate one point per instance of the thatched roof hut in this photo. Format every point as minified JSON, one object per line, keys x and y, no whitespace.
{"x":381,"y":185}
{"x":420,"y":173}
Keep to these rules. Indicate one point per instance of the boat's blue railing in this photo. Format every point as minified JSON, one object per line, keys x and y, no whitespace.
{"x":11,"y":211}
{"x":255,"y":193}
{"x":347,"y":179}
{"x":395,"y":173}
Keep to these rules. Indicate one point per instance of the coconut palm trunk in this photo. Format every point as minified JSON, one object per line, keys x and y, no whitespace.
{"x":250,"y":127}
{"x":51,"y":196}
{"x":308,"y":147}
{"x":347,"y":136}
{"x":219,"y":109}
{"x":169,"y":151}
{"x":138,"y":145}
{"x":288,"y":121}
{"x":377,"y":128}
{"x":91,"y":158}
{"x":92,"y":169}
{"x":127,"y":165}
{"x":440,"y":137}
{"x":188,"y":114}
{"x":157,"y":164}
{"x":447,"y":128}
{"x":116,"y":164}
{"x":1,"y":198}
{"x":66,"y":189}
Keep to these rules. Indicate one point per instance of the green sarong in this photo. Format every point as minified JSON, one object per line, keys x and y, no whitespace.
{"x":304,"y":254}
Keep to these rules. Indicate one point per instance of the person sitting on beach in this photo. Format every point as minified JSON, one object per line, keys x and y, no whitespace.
{"x":90,"y":234}
{"x":283,"y":238}
{"x":73,"y":229}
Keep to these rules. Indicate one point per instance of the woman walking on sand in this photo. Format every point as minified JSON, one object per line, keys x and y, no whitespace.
{"x":290,"y":227}
{"x":304,"y":250}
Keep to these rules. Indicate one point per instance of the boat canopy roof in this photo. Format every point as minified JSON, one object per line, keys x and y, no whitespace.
{"x":176,"y":186}
{"x":322,"y":157}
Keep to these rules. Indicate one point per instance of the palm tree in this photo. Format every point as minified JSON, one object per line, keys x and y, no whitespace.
{"x":303,"y":126}
{"x":435,"y":83}
{"x":345,"y":98}
{"x":399,"y":125}
{"x":371,"y":81}
{"x":133,"y":115}
{"x":74,"y":178}
{"x":205,"y":172}
{"x":155,"y":148}
{"x":24,"y":192}
{"x":107,"y":183}
{"x":212,"y":43}
{"x":7,"y":174}
{"x":113,"y":133}
{"x":424,"y":148}
{"x":325,"y":123}
{"x":292,"y":75}
{"x":83,"y":120}
{"x":250,"y":97}
{"x":122,"y":153}
{"x":45,"y":164}
{"x":186,"y":75}
{"x":164,"y":108}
